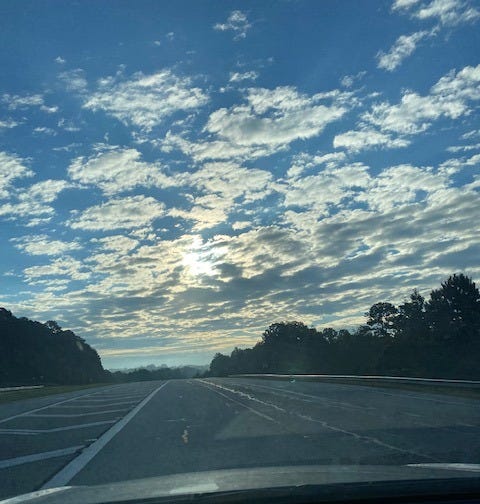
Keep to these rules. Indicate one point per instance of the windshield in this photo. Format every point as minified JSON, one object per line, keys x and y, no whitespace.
{"x":238,"y":235}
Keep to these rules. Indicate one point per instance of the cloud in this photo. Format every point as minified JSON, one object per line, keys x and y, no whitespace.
{"x":8,"y":123}
{"x":401,"y":49}
{"x":267,"y":122}
{"x":447,"y":12}
{"x":355,"y":141}
{"x":115,"y":170}
{"x":14,"y":102}
{"x":273,"y":118}
{"x":66,"y":266}
{"x":74,"y":80}
{"x":44,"y":130}
{"x":145,"y":101}
{"x":34,"y":202}
{"x":12,"y":167}
{"x":222,"y":186}
{"x":44,"y":245}
{"x":403,"y":4}
{"x":349,"y":80}
{"x":387,"y":125}
{"x":239,"y":77}
{"x":60,"y":60}
{"x":119,"y":213}
{"x":236,"y":22}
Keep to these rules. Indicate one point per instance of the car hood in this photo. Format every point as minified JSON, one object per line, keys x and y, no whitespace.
{"x":333,"y":482}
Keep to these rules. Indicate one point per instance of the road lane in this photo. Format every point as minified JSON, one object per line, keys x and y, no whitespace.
{"x":194,"y":425}
{"x":39,"y":438}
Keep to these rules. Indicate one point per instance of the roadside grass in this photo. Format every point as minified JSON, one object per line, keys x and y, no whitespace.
{"x":17,"y":395}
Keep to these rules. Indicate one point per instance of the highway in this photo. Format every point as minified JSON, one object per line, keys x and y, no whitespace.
{"x":138,"y":430}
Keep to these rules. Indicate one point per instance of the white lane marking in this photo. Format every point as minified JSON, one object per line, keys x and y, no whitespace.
{"x":330,"y":402}
{"x":78,"y":463}
{"x":55,"y":429}
{"x":21,"y":499}
{"x":324,"y":424}
{"x":95,"y":405}
{"x":243,"y":394}
{"x":48,"y":406}
{"x":66,"y":415}
{"x":114,"y":398}
{"x":39,"y":456}
{"x":453,"y":466}
{"x":16,"y":433}
{"x":258,"y":413}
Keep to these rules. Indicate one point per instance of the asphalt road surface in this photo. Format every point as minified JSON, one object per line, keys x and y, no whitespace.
{"x":138,"y":430}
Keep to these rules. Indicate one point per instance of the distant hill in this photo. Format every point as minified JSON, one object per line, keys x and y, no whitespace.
{"x":36,"y":353}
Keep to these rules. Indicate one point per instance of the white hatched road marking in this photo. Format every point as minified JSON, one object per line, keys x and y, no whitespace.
{"x":66,"y":415}
{"x":78,"y":463}
{"x":56,"y":429}
{"x":39,"y":456}
{"x":95,"y":405}
{"x":3,"y":420}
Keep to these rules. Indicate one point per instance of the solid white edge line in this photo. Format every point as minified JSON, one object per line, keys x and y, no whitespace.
{"x":39,"y":456}
{"x":21,"y":499}
{"x":78,"y":463}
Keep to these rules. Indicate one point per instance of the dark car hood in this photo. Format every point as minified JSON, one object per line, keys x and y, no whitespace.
{"x":237,"y":485}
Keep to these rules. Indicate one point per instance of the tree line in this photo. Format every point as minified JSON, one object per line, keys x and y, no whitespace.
{"x":438,"y":337}
{"x":33,"y":353}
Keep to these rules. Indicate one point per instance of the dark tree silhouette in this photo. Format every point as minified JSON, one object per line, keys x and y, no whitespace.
{"x":438,"y":338}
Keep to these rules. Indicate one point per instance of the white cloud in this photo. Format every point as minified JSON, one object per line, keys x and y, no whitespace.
{"x":115,"y":170}
{"x":44,"y":245}
{"x":8,"y":123}
{"x":238,"y":77}
{"x":349,"y":80}
{"x":120,"y":213}
{"x":60,"y":60}
{"x":45,"y":130}
{"x":223,"y":185}
{"x":236,"y":22}
{"x":14,"y":102}
{"x":356,"y":141}
{"x":448,"y":12}
{"x":11,"y":168}
{"x":448,"y":98}
{"x":401,"y":49}
{"x":273,"y":118}
{"x":74,"y":80}
{"x":403,"y":4}
{"x":146,"y":100}
{"x":34,"y":201}
{"x":117,"y":243}
{"x":61,"y":267}
{"x":330,"y":186}
{"x":268,"y":121}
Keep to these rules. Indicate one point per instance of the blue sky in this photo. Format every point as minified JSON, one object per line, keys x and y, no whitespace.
{"x":175,"y":176}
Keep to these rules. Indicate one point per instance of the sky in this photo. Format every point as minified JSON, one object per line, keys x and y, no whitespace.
{"x":176,"y":176}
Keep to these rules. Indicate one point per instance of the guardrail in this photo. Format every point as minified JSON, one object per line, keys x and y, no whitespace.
{"x":368,"y":379}
{"x":28,"y":387}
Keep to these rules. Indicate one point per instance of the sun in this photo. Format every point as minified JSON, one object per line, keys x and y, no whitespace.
{"x":198,"y":260}
{"x":198,"y":265}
